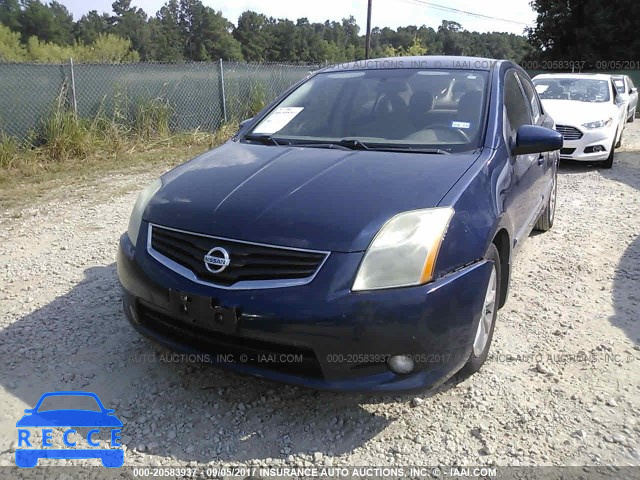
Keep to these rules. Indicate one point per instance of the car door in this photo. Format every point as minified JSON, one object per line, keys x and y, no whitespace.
{"x":621,"y":106}
{"x":633,"y":97}
{"x":527,"y":170}
{"x":545,"y":177}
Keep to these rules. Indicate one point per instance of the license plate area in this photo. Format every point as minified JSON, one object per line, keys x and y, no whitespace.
{"x":203,"y":312}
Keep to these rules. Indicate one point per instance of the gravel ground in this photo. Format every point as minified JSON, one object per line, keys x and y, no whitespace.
{"x":562,"y":386}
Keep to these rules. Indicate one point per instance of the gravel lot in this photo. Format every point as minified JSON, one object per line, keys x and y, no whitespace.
{"x":561,"y":388}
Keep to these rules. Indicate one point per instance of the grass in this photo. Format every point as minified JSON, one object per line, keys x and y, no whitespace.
{"x":9,"y":149}
{"x":73,"y":152}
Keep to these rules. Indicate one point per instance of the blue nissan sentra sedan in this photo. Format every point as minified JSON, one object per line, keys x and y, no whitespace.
{"x":357,"y":234}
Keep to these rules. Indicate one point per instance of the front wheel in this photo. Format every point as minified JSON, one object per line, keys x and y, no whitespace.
{"x":545,"y":221}
{"x":487,"y":322}
{"x":619,"y":142}
{"x":608,"y":163}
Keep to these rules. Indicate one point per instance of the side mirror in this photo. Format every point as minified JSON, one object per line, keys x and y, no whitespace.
{"x":633,"y":90}
{"x":535,"y":139}
{"x":245,"y":122}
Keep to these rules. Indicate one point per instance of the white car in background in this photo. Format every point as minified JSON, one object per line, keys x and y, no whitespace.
{"x":588,"y":111}
{"x":629,"y":93}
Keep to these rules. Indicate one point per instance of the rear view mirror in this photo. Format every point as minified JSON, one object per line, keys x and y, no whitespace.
{"x":535,"y":139}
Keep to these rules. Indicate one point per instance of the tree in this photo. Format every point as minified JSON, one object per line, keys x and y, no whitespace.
{"x":108,"y":48}
{"x":219,"y":40}
{"x":416,"y":48}
{"x":63,"y":21}
{"x":130,"y":22}
{"x":47,"y":52}
{"x":189,"y":30}
{"x":51,"y":23}
{"x":11,"y":50}
{"x":167,"y":44}
{"x":254,"y":34}
{"x":10,"y":14}
{"x":90,"y":26}
{"x":206,"y":33}
{"x":451,"y":38}
{"x":586,"y":30}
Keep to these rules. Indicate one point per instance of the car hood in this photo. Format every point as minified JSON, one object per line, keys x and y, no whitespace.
{"x":315,"y":198}
{"x":69,"y":418}
{"x":571,"y":112}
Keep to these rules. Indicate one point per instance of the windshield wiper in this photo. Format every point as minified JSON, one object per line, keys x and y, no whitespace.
{"x":433,"y":151}
{"x":345,"y":144}
{"x":321,"y":145}
{"x":263,"y":138}
{"x":355,"y":144}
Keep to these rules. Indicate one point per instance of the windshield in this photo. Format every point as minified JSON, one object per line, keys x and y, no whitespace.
{"x":578,"y":89}
{"x":430,"y":109}
{"x":64,"y":402}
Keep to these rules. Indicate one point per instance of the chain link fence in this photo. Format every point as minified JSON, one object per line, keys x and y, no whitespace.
{"x":193,"y":95}
{"x":190,"y":96}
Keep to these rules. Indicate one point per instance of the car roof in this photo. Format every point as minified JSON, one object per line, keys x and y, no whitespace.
{"x":418,"y":62}
{"x":589,"y":76}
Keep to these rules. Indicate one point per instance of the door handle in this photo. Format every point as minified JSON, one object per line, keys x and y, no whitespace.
{"x":541,"y":159}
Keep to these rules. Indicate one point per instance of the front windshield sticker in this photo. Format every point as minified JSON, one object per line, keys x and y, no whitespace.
{"x":278,"y":119}
{"x":460,"y":125}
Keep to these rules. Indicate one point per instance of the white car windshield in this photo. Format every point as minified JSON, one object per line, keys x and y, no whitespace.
{"x":437,"y":109}
{"x":578,"y":89}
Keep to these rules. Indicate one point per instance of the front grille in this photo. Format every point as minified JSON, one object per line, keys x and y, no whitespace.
{"x":290,"y":359}
{"x":569,"y":133}
{"x":249,"y":262}
{"x":567,"y":151}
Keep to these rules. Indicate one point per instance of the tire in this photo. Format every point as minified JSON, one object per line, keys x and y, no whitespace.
{"x":608,"y":163}
{"x":545,"y":220}
{"x":631,"y":118}
{"x":113,"y":459}
{"x":481,"y":346}
{"x":26,"y":459}
{"x":619,"y":142}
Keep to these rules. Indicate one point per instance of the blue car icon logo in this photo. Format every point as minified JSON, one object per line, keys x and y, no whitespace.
{"x":28,"y":453}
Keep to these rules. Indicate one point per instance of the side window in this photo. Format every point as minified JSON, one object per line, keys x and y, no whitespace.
{"x":515,"y":104}
{"x":630,"y":83}
{"x":532,"y":98}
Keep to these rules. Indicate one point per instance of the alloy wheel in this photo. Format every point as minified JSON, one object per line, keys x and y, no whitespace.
{"x":486,"y":320}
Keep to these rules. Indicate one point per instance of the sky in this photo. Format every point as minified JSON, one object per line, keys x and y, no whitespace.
{"x":385,"y":13}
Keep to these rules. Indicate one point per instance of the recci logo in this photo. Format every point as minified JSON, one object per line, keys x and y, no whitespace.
{"x":41,"y":422}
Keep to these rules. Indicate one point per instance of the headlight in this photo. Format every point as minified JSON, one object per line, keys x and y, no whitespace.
{"x":404,"y":251}
{"x":138,"y":209}
{"x":598,"y":124}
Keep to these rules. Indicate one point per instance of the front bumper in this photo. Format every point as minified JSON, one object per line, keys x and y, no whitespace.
{"x":320,"y":335}
{"x":575,"y":149}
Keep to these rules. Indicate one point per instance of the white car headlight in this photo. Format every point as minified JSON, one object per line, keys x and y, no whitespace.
{"x":404,"y":251}
{"x":138,"y":209}
{"x":598,"y":124}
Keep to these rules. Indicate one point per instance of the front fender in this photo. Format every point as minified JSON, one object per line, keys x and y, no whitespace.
{"x":481,"y":211}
